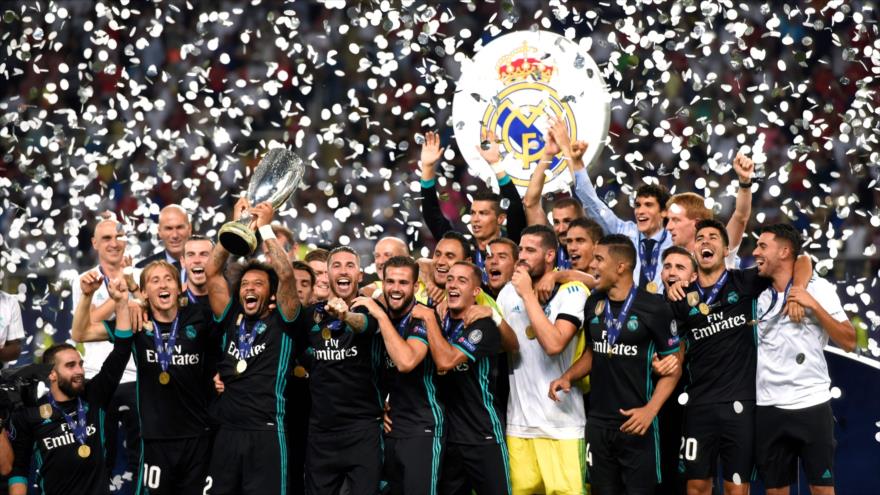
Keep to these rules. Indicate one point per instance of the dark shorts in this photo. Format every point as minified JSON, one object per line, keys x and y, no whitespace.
{"x":725,"y":431}
{"x":786,"y":435}
{"x":619,"y":463}
{"x":353,"y":458}
{"x":482,"y":468}
{"x":412,"y":465}
{"x":247,"y":462}
{"x":176,"y":466}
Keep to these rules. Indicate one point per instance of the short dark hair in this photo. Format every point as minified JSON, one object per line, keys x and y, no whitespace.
{"x":786,"y":233}
{"x":682,"y":251}
{"x":620,"y":246}
{"x":303,"y":266}
{"x":466,"y":247}
{"x":402,"y":262}
{"x":545,"y":232}
{"x":656,"y":191}
{"x":711,"y":223}
{"x":569,"y":202}
{"x":489,"y":196}
{"x":52,"y":350}
{"x":594,"y":230}
{"x":317,"y":254}
{"x":198,"y":237}
{"x":344,"y":249}
{"x":476,"y":273}
{"x":514,"y":249}
{"x":256,"y":265}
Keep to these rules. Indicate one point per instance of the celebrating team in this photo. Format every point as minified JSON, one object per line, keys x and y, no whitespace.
{"x":520,"y":358}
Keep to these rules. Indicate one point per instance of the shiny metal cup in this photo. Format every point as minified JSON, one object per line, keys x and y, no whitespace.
{"x":274,"y":180}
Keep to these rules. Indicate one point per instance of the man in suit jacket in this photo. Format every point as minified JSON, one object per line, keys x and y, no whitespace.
{"x":174,"y":230}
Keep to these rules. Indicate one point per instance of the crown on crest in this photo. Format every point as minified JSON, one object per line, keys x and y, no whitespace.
{"x":522,"y":64}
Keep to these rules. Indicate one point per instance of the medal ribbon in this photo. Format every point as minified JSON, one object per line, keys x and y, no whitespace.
{"x":456,"y":332}
{"x":774,"y":298}
{"x":165,"y":349}
{"x":563,"y":262}
{"x":614,"y":324}
{"x":191,"y":297}
{"x":246,"y":338}
{"x":79,"y":426}
{"x":649,"y":265}
{"x":716,"y":289}
{"x":481,"y":262}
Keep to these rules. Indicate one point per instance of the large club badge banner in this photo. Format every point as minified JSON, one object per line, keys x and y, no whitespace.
{"x":512,"y":87}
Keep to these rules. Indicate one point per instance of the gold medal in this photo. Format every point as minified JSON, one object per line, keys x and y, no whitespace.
{"x":299,"y":372}
{"x":693,"y":299}
{"x":45,"y":411}
{"x":147,"y":326}
{"x":600,"y":306}
{"x":240,"y":366}
{"x":164,"y":378}
{"x":704,"y":308}
{"x":530,"y":332}
{"x":84,"y":451}
{"x":652,"y":287}
{"x":325,"y":333}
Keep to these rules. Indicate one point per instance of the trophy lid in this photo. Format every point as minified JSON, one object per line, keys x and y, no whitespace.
{"x":276,"y":177}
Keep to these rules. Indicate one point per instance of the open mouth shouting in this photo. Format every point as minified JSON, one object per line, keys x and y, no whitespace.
{"x":395,"y":296}
{"x":343,"y":284}
{"x":453,"y":296}
{"x":642,"y":221}
{"x":165,"y":296}
{"x":251,"y":303}
{"x":495,"y":275}
{"x":197,"y":270}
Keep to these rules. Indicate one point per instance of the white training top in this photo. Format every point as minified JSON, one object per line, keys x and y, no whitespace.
{"x":792,"y":372}
{"x":530,"y":413}
{"x":95,"y":353}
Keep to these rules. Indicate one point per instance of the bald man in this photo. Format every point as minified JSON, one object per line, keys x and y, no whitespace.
{"x":386,"y":248}
{"x":174,"y":230}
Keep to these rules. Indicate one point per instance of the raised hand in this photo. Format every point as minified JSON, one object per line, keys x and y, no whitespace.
{"x":263,"y":214}
{"x":492,"y":154}
{"x":90,"y":282}
{"x":431,"y":153}
{"x":521,"y":280}
{"x":744,"y":167}
{"x":241,"y":206}
{"x":118,"y":290}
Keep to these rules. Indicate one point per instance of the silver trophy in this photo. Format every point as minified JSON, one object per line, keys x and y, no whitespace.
{"x":274,"y":180}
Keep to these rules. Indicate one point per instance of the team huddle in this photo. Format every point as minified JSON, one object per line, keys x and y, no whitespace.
{"x":583,"y":353}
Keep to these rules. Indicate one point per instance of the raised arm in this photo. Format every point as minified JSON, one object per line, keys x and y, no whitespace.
{"x":431,"y":213}
{"x":101,"y":388}
{"x":736,"y":226}
{"x":83,"y":328}
{"x":218,"y":288}
{"x":535,"y":214}
{"x":286,"y":295}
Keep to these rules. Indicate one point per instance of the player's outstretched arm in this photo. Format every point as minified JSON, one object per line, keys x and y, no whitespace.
{"x":285,"y":296}
{"x":579,"y":369}
{"x":218,"y":288}
{"x":431,"y":213}
{"x":83,"y":328}
{"x":736,"y":226}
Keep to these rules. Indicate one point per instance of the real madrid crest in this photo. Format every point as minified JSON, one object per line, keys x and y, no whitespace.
{"x":513,"y":86}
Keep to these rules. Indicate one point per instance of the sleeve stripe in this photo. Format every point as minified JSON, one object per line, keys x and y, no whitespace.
{"x":570,"y":318}
{"x":218,"y":319}
{"x":14,"y":480}
{"x":122,"y":333}
{"x":464,"y":351}
{"x":670,"y":351}
{"x":416,"y":337}
{"x":109,"y":330}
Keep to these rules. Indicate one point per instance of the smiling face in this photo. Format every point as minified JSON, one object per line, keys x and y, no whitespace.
{"x":447,"y":252}
{"x":196,"y":254}
{"x":255,"y":292}
{"x":770,"y":254}
{"x":710,"y":250}
{"x":109,"y":242}
{"x":174,"y":230}
{"x":321,"y":290}
{"x":345,"y":274}
{"x":677,"y":267}
{"x":462,"y":288}
{"x":68,"y":373}
{"x":161,"y":286}
{"x":534,"y":256}
{"x":386,"y":249}
{"x":580,"y":248}
{"x":682,"y":229}
{"x":485,"y":222}
{"x":500,"y":265}
{"x":648,"y":213}
{"x":399,"y":287}
{"x":605,"y":267}
{"x":562,"y":218}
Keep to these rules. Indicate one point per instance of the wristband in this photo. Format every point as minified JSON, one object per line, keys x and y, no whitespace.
{"x":745,"y":185}
{"x":498,"y":168}
{"x":427,"y":184}
{"x":504,"y":180}
{"x":266,"y":232}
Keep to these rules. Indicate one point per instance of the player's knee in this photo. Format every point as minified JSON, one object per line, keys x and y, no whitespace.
{"x":821,"y":490}
{"x":736,"y":488}
{"x":699,"y":487}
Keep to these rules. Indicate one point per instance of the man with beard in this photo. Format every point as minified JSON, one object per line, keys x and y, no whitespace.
{"x":317,"y":260}
{"x":196,"y":254}
{"x":386,"y":248}
{"x":546,"y":439}
{"x":582,"y":236}
{"x":413,"y":447}
{"x":452,"y":248}
{"x":717,"y":326}
{"x":250,"y":450}
{"x":486,"y":214}
{"x":65,"y":431}
{"x":342,"y":350}
{"x":174,"y":230}
{"x":627,"y":326}
{"x":173,"y":382}
{"x":108,"y":241}
{"x":476,"y":453}
{"x":794,"y":418}
{"x":500,"y":263}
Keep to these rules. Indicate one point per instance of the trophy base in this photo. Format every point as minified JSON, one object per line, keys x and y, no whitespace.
{"x":237,"y":238}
